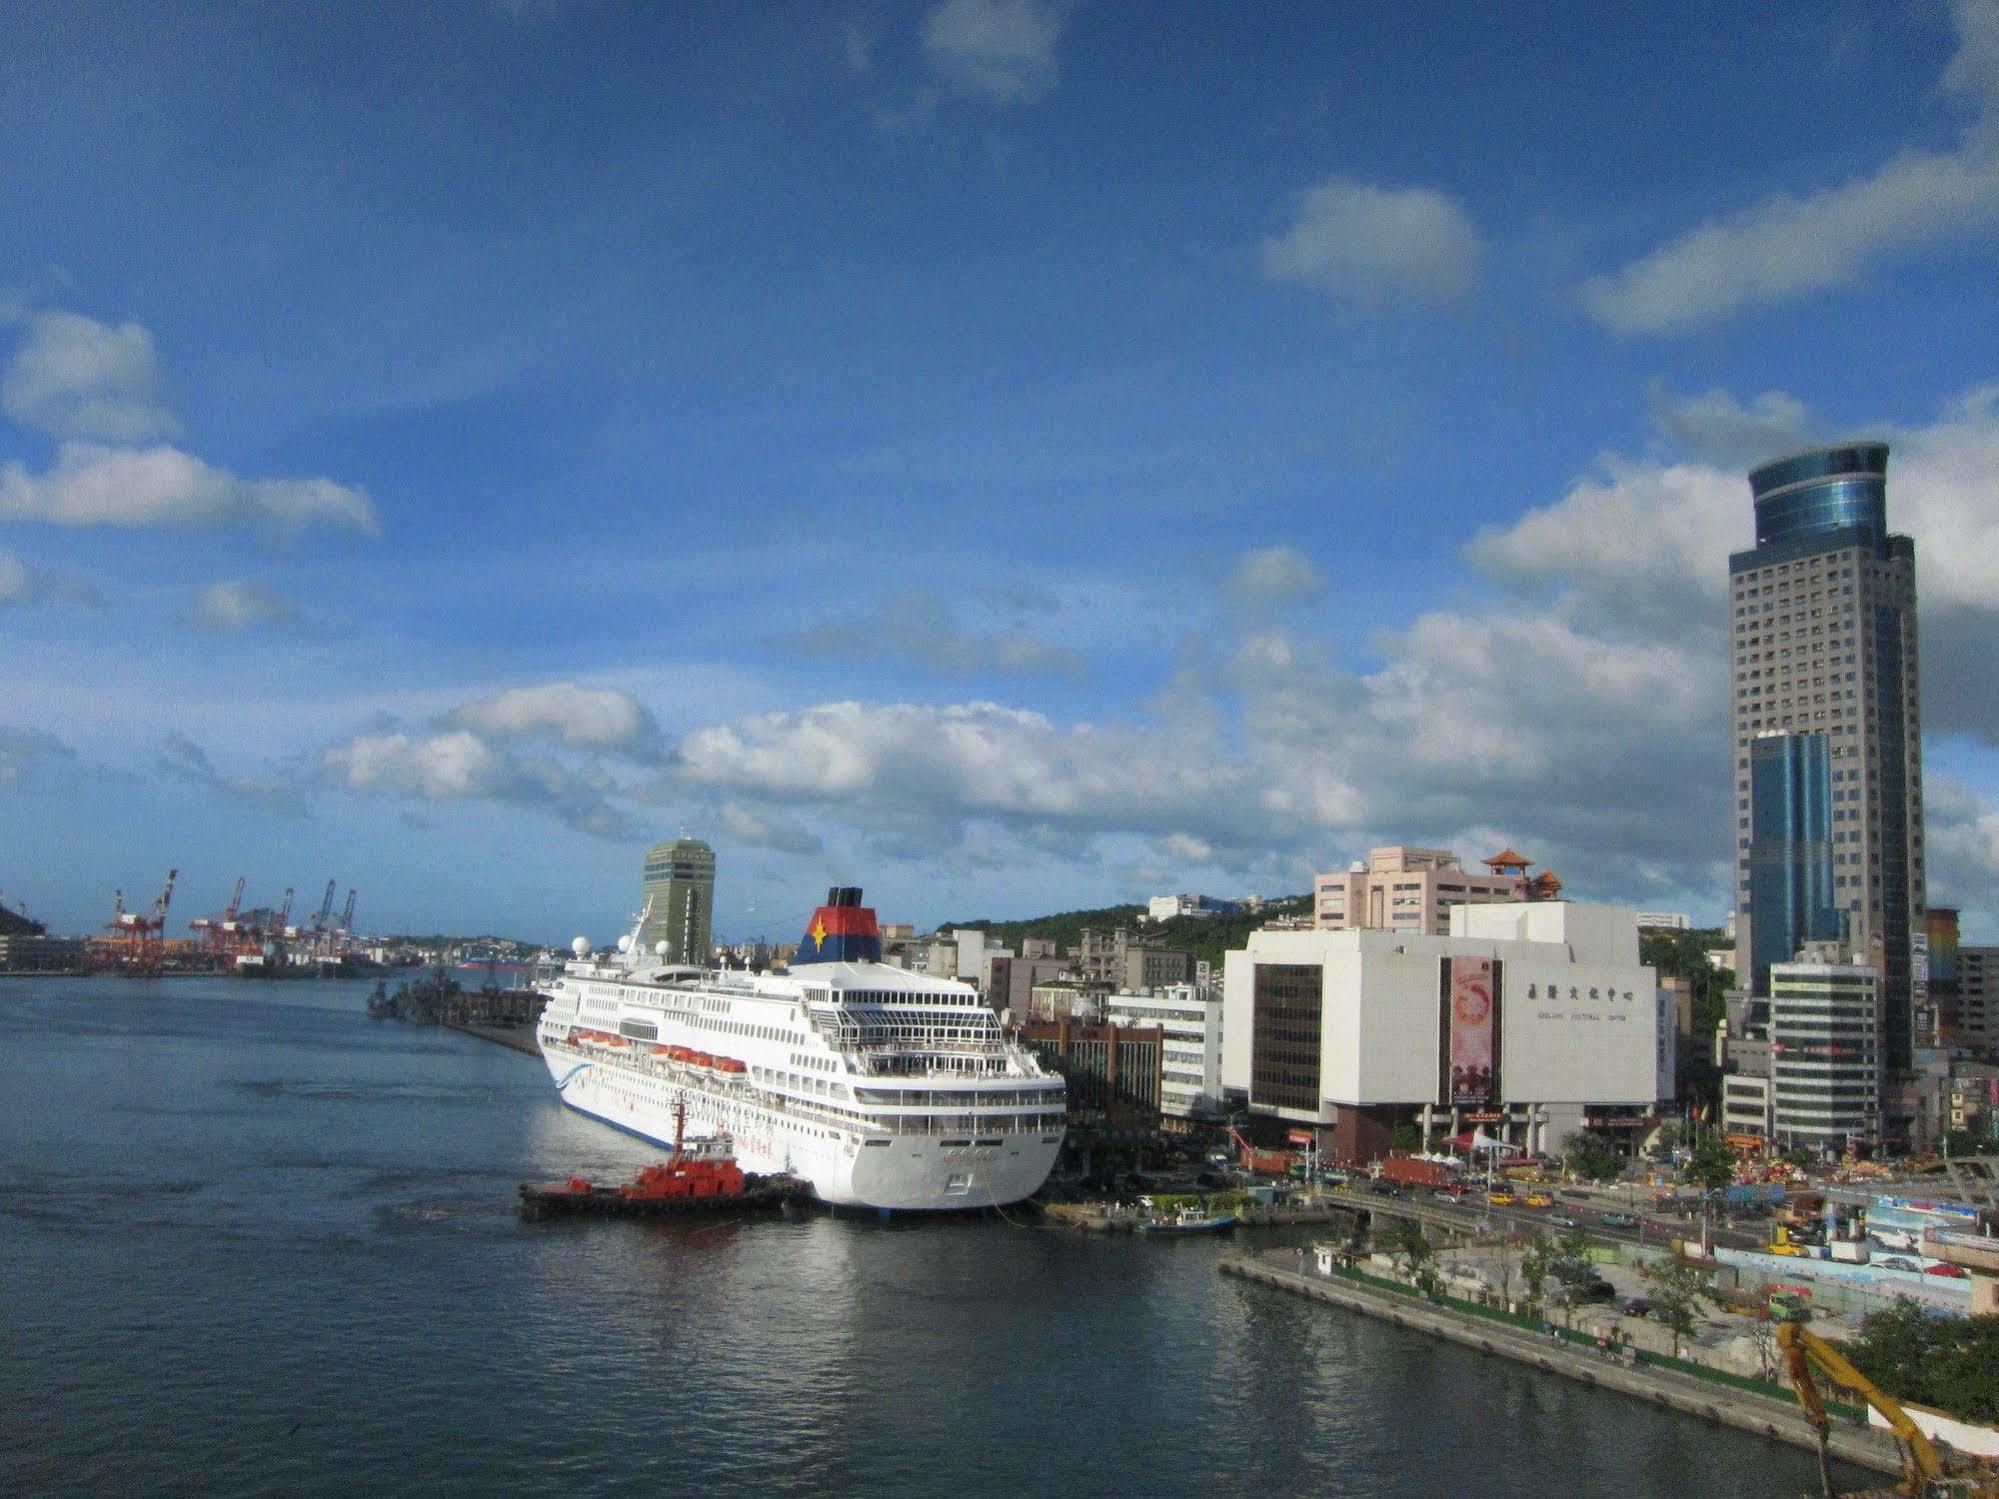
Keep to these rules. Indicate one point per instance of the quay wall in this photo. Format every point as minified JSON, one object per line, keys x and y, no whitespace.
{"x":1726,"y":1400}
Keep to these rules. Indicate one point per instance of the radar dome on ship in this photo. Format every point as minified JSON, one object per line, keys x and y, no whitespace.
{"x":660,"y":947}
{"x":624,"y":944}
{"x":581,"y":946}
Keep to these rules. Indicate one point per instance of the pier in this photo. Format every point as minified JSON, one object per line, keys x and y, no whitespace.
{"x":1724,"y":1399}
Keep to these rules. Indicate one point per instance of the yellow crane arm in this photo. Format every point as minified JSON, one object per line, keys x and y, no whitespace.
{"x":1802,"y":1349}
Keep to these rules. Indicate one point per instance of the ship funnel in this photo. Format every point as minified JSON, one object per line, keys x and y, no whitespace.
{"x":842,"y":931}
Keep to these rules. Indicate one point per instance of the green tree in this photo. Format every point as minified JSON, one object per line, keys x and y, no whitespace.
{"x":1666,"y":1139}
{"x":1963,"y":1142}
{"x":1408,"y":1137}
{"x":1593,"y":1156}
{"x":1571,"y":1262}
{"x":1950,"y":1363}
{"x":1409,"y":1246}
{"x":1535,"y":1267}
{"x":1712,"y":1164}
{"x":1677,"y":1287}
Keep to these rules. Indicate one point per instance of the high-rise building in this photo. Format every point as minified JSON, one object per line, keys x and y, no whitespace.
{"x":1790,"y":851}
{"x":1825,"y":1076}
{"x":1824,"y":643}
{"x":679,"y":896}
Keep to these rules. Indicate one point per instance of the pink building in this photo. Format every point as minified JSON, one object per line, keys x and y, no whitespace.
{"x":1413,"y":889}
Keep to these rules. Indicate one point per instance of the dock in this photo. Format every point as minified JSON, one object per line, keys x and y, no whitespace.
{"x":1723,"y":1399}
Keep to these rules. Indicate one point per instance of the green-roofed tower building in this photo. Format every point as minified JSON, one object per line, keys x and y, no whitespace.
{"x":679,"y":893}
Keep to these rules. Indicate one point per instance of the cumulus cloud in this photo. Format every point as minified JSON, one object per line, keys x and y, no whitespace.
{"x":1962,"y":837}
{"x":1274,"y":577}
{"x":1792,"y":246}
{"x":1366,"y":246}
{"x":560,"y":748}
{"x":94,"y":485}
{"x":762,"y":830}
{"x":1002,"y":50}
{"x":232,"y":606}
{"x":1652,"y":538}
{"x":566,"y":712}
{"x":21,"y":584}
{"x":1717,"y":428}
{"x":77,"y":377}
{"x":919,"y":627}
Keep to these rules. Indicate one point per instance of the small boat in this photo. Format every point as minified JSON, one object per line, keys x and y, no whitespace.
{"x":1189,"y":1220}
{"x":700,"y":1176}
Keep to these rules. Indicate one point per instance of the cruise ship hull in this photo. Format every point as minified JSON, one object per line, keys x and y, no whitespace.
{"x":904,"y":1173}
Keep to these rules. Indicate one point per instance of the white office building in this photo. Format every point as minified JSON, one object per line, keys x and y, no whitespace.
{"x":1825,"y":1055}
{"x":1190,"y":1084}
{"x":1530,"y":1020}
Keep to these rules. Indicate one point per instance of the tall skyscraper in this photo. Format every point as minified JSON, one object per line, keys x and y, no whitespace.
{"x":1824,"y":644}
{"x":1791,"y":875}
{"x":679,"y":892}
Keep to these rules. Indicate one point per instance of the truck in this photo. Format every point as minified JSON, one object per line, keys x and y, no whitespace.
{"x":1412,"y":1171}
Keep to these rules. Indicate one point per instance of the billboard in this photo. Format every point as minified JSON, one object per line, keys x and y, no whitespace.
{"x":1474,"y":1042}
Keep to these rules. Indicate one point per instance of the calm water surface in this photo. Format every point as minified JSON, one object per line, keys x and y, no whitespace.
{"x":252,"y":1242}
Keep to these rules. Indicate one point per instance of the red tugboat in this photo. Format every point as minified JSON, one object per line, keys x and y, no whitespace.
{"x":701,"y":1177}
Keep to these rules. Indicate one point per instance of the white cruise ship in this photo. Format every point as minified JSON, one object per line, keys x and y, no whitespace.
{"x":882,"y":1088}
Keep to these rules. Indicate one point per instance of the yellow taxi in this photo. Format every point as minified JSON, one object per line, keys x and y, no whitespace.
{"x":1499,"y":1199}
{"x":1537,"y":1200}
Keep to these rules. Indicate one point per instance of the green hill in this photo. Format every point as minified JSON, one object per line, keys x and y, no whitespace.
{"x":1206,"y":937}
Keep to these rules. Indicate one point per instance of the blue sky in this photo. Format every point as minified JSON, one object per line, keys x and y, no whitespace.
{"x":1007,"y":454}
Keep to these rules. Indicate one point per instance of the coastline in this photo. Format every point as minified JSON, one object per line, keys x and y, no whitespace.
{"x":1727,"y":1402}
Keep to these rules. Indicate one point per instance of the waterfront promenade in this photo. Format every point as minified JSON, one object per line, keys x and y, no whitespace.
{"x":1726,"y":1400}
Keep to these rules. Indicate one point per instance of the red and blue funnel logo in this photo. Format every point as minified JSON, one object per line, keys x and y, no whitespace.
{"x":842,"y":931}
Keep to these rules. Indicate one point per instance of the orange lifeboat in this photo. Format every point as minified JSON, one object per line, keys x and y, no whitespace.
{"x":731,"y":1066}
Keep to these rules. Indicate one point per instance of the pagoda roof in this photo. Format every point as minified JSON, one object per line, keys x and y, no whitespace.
{"x":1507,"y":859}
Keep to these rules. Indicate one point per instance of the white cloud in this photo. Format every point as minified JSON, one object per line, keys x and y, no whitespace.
{"x":230,"y":606}
{"x":16,"y":583}
{"x":1654,"y":534}
{"x":442,"y":766}
{"x":761,"y":830}
{"x":1366,"y":246}
{"x":22,"y":584}
{"x":1719,"y":429}
{"x":93,"y":485}
{"x":1275,"y":577}
{"x":581,"y":717}
{"x":1962,"y":834}
{"x":918,"y":627}
{"x":77,"y":377}
{"x":999,"y":49}
{"x":1790,"y":246}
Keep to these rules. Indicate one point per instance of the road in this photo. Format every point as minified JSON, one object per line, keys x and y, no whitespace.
{"x":1588,"y":1211}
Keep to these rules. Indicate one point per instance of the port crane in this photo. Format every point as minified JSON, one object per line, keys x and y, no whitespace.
{"x":142,"y":938}
{"x":1925,"y":1472}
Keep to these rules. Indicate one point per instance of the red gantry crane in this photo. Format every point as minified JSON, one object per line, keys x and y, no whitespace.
{"x":138,"y":943}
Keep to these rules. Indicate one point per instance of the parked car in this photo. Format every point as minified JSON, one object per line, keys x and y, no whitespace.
{"x":1955,"y":1272}
{"x":1596,"y":1289}
{"x":1563,"y":1220}
{"x":1897,"y":1262}
{"x":1637,"y":1306}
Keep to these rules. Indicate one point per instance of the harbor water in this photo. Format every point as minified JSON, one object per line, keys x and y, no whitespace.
{"x":254,"y":1243}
